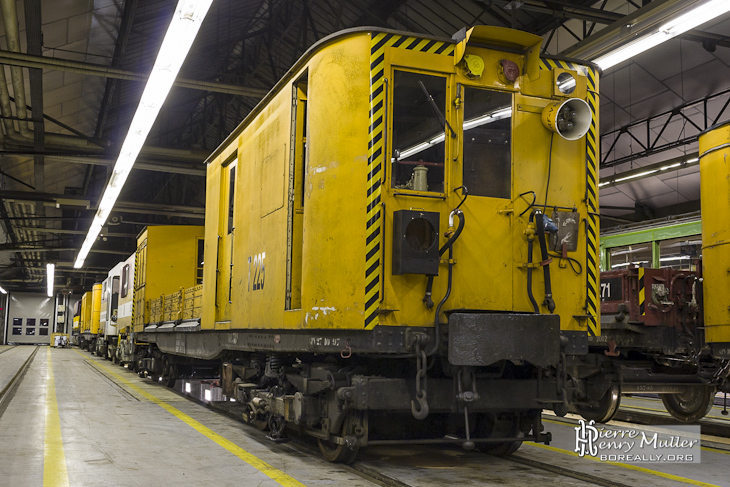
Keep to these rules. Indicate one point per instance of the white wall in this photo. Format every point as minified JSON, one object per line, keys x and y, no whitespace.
{"x":23,"y":307}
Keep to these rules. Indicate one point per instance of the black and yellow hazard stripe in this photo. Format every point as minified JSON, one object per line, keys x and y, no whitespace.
{"x":380,"y":42}
{"x":592,"y":155}
{"x":642,"y":293}
{"x":134,"y":291}
{"x":592,"y":228}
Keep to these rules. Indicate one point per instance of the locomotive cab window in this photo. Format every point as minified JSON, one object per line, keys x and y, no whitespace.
{"x":419,"y":128}
{"x":487,"y":142}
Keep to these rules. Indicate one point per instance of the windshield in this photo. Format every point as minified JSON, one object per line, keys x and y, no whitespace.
{"x":418,"y":133}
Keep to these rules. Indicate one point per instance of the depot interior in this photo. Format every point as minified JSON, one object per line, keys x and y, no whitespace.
{"x":74,"y":72}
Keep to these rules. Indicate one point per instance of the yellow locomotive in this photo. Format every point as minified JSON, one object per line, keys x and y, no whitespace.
{"x":401,"y":243}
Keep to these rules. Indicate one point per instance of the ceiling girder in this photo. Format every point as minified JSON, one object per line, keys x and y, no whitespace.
{"x":144,"y":164}
{"x":30,"y":61}
{"x":120,"y":206}
{"x":641,"y":130}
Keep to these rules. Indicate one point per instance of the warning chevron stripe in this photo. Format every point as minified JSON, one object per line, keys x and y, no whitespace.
{"x":592,"y":224}
{"x":374,"y":210}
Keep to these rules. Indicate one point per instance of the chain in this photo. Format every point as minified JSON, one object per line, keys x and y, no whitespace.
{"x":421,"y":384}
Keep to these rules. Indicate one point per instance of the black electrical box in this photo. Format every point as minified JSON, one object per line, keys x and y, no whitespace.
{"x":415,"y":242}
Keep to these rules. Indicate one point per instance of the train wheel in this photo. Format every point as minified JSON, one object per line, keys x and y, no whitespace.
{"x":691,"y":405}
{"x":606,"y":408}
{"x":252,"y":417}
{"x":333,"y":452}
{"x":498,"y":426}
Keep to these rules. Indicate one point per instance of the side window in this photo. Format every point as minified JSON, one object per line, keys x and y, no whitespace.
{"x":487,"y":143}
{"x":125,"y":281}
{"x":231,"y":196}
{"x":418,"y":132}
{"x":199,"y":262}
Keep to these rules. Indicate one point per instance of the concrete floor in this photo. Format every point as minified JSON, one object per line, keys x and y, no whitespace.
{"x":117,"y":429}
{"x":77,"y":420}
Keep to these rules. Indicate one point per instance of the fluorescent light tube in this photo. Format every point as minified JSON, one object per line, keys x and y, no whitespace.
{"x":694,"y":18}
{"x":3,"y":290}
{"x":184,"y":26}
{"x":634,"y":176}
{"x":50,"y":271}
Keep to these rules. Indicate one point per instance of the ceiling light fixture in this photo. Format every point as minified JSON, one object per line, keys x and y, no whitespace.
{"x":681,"y":24}
{"x":3,"y":290}
{"x":185,"y":24}
{"x":50,"y":277}
{"x":650,"y":170}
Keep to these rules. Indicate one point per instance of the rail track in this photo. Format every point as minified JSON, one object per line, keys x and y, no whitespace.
{"x":370,"y":462}
{"x":366,"y":466}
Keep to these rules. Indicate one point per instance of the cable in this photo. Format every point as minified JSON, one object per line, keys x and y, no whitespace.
{"x":465,"y":192}
{"x":534,"y":198}
{"x":550,"y":165}
{"x":573,"y":262}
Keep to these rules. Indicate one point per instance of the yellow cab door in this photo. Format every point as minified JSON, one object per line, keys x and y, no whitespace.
{"x":486,"y":173}
{"x":450,"y":139}
{"x":225,"y":255}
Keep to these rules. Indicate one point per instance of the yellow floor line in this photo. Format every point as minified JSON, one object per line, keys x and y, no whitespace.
{"x":54,"y":458}
{"x":273,"y":473}
{"x":635,"y":468}
{"x":629,"y":406}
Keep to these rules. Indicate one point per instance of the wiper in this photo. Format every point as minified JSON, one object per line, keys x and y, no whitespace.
{"x":436,"y":110}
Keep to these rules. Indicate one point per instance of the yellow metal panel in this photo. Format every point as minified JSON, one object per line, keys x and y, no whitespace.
{"x":95,"y":308}
{"x":167,"y":261}
{"x":193,"y":304}
{"x":86,"y":300}
{"x":212,"y":221}
{"x":715,"y":184}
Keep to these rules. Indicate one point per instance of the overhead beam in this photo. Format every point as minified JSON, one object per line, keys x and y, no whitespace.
{"x":21,"y":248}
{"x":642,"y":21}
{"x":597,"y":16}
{"x":120,"y":206}
{"x":125,"y":28}
{"x":91,"y":69}
{"x":61,"y":231}
{"x":142,"y":165}
{"x":643,"y":131}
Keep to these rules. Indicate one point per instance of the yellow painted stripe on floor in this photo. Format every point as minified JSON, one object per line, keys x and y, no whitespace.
{"x":54,"y":459}
{"x":635,"y":468}
{"x":715,"y":450}
{"x":708,"y":417}
{"x":271,"y":472}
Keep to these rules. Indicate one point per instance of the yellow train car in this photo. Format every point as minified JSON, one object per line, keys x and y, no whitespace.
{"x":277,"y":220}
{"x":403,"y":231}
{"x":715,"y":184}
{"x":90,"y":315}
{"x":166,"y":260}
